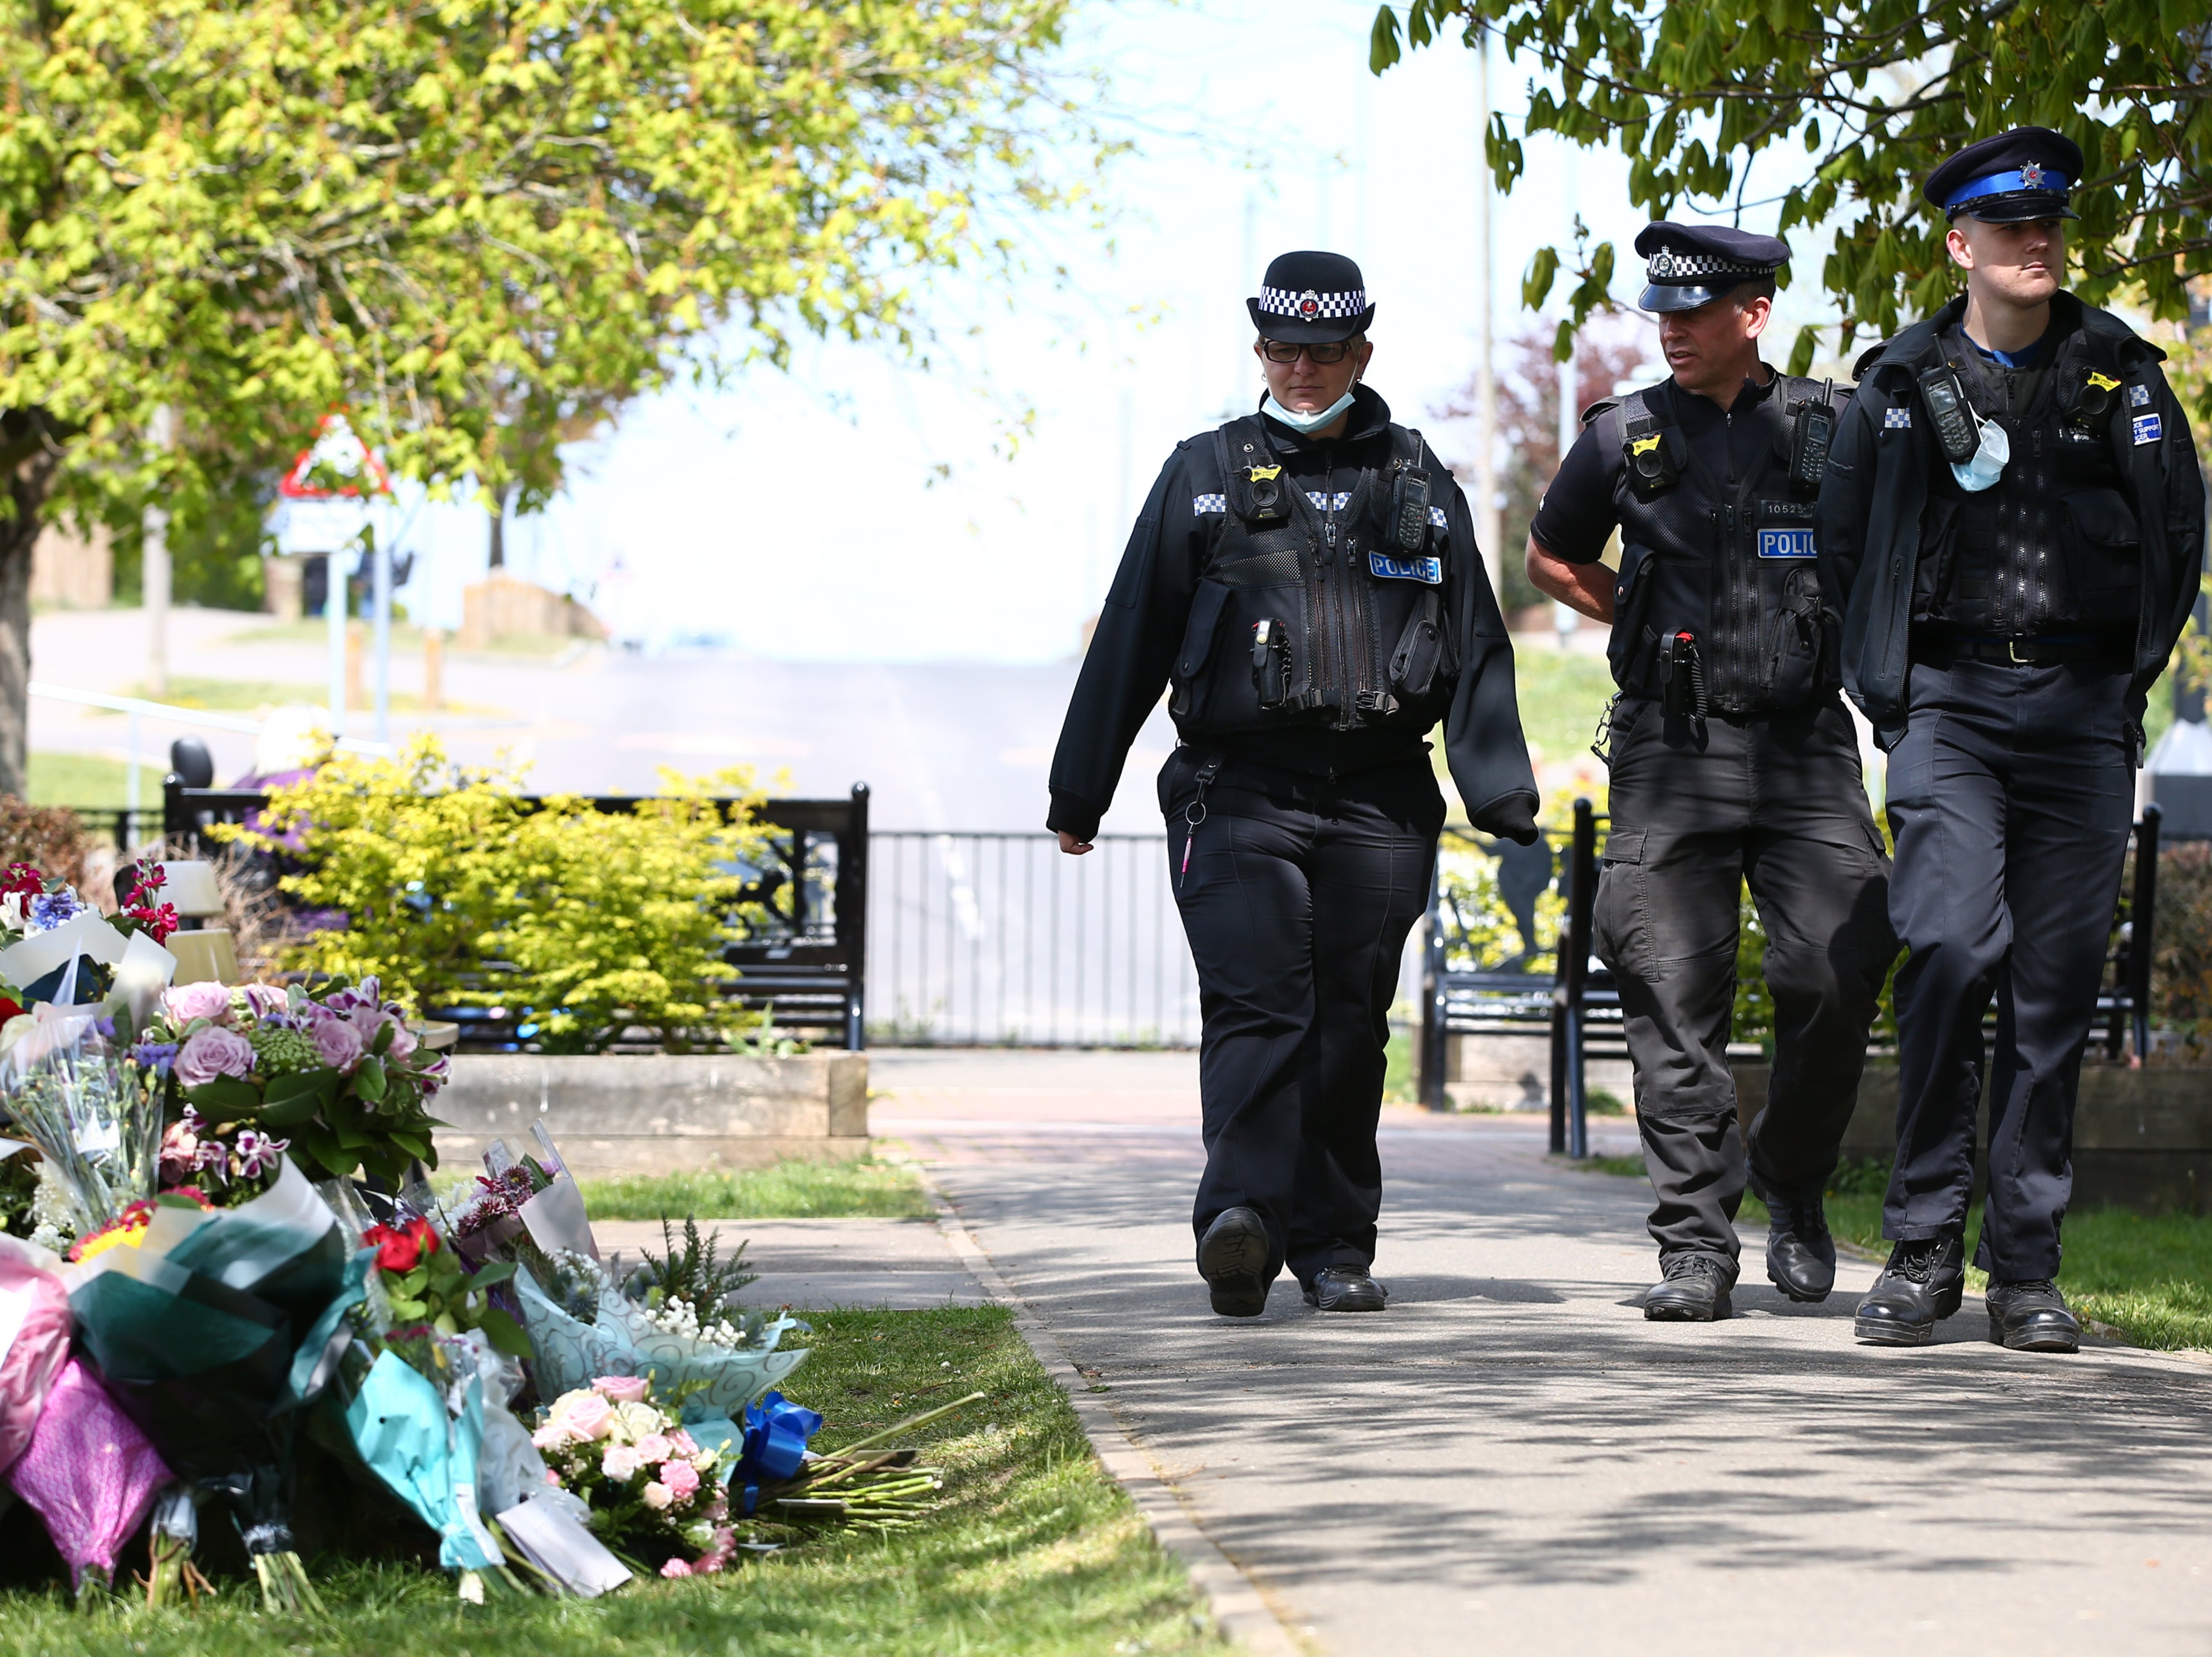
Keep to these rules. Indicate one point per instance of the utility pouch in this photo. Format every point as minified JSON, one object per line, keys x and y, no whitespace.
{"x":1271,"y":662}
{"x":1812,"y":428}
{"x":1420,"y":648}
{"x":1409,"y":509}
{"x":1958,"y":433}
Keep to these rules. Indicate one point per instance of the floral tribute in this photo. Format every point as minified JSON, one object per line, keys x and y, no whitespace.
{"x":651,"y":1488}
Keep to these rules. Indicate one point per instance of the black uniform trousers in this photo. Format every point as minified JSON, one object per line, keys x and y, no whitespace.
{"x":1778,"y":802}
{"x":2010,"y":796}
{"x":1297,"y":898}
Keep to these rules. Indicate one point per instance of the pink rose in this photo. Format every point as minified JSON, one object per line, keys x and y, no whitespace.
{"x":682,"y":1443}
{"x":675,"y":1568}
{"x":621,"y":1463}
{"x":338,"y":1044}
{"x":681,"y":1477}
{"x":656,"y":1496}
{"x":654,"y":1448}
{"x":584,"y":1416}
{"x":403,"y":1043}
{"x":622,"y":1389}
{"x":189,"y":1001}
{"x":211,"y":1052}
{"x":552,"y":1437}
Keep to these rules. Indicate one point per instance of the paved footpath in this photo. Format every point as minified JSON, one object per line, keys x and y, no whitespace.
{"x":1512,"y":1460}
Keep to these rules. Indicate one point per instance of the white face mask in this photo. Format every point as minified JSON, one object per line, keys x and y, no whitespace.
{"x":1298,"y":421}
{"x":1987,"y":463}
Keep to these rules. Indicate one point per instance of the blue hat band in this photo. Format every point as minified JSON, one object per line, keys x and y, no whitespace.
{"x":1998,"y":184}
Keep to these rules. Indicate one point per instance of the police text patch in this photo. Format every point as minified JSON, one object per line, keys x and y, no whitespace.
{"x":1431,"y":570}
{"x":2146,"y":428}
{"x":1896,"y":419}
{"x":1785,"y":544}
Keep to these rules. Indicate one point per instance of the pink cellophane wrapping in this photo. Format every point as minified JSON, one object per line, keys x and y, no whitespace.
{"x":35,"y":1356}
{"x":89,"y":1472}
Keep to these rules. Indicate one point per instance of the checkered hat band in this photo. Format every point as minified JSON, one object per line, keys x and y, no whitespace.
{"x":1282,"y":302}
{"x":1668,"y":265}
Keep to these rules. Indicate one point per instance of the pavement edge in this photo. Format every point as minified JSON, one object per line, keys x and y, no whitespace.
{"x":1238,"y":1607}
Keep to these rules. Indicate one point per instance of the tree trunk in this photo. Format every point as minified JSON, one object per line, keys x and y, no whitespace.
{"x":499,"y":528}
{"x":30,"y":457}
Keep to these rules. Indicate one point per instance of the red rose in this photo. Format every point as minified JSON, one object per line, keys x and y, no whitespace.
{"x":425,"y":1235}
{"x":9,"y":1008}
{"x":395,"y":1251}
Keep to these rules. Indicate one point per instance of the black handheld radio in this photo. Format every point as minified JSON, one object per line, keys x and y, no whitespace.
{"x":1812,"y":428}
{"x":1956,"y":433}
{"x":1409,"y":509}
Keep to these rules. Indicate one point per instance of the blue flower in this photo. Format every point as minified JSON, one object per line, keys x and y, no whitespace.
{"x":50,"y":909}
{"x":156,"y":1056}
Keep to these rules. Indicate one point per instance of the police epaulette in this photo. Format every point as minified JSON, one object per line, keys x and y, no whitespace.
{"x":1866,"y":360}
{"x":1598,"y":407}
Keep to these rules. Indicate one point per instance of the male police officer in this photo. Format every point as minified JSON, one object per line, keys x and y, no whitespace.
{"x":1307,"y":580}
{"x":1732,"y":759}
{"x":2013,"y":524}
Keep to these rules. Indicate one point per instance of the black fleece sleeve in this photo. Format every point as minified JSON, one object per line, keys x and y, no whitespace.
{"x":2185,"y":538}
{"x":1132,"y":650}
{"x":1483,"y":744}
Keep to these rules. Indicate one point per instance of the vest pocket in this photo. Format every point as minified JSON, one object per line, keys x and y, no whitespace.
{"x":1199,"y":634}
{"x":2104,"y":556}
{"x":1420,"y":648}
{"x":1800,"y":646}
{"x":1632,"y":608}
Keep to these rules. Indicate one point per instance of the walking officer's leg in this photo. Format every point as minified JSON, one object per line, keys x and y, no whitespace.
{"x":1248,"y":911}
{"x":2071,"y":800}
{"x":1819,"y":875}
{"x":1665,"y":921}
{"x":1374,"y":850}
{"x":1948,"y":808}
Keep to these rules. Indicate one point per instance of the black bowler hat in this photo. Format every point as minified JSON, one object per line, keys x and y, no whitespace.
{"x":1310,"y":299}
{"x":2012,"y":178}
{"x":1693,"y":264}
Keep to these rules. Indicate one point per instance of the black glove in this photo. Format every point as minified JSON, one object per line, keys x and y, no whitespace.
{"x":1513,"y":818}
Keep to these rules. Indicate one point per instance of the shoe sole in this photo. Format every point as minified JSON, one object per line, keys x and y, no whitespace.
{"x":1231,"y":1263}
{"x":1666,"y":1314}
{"x":1347,"y":1302}
{"x":1887,"y":1331}
{"x":2028,"y":1341}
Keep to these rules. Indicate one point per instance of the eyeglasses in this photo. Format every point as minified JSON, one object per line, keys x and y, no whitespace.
{"x":1326,"y":355}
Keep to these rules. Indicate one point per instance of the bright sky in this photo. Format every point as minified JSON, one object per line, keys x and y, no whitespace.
{"x":805,"y":515}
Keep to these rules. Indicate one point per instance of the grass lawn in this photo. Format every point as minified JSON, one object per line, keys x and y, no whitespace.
{"x":1561,"y":697}
{"x":57,"y":777}
{"x":787,"y":1191}
{"x":1035,"y":1553}
{"x":2149,"y":1275}
{"x":253,"y":696}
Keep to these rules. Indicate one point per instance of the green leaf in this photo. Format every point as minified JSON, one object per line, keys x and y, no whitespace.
{"x":368,"y":1079}
{"x":1382,"y":40}
{"x":225,"y":1099}
{"x":293,"y":1099}
{"x":492,"y":1272}
{"x":506,"y":1334}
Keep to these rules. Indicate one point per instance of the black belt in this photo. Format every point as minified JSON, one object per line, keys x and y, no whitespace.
{"x":2026,"y":652}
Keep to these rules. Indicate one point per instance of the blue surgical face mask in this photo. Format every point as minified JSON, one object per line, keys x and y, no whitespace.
{"x":1987,"y":463}
{"x":1298,"y":421}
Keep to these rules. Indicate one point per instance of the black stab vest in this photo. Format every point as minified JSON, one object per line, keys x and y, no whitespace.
{"x":1729,"y":564}
{"x":2051,"y":547}
{"x":1314,"y":613}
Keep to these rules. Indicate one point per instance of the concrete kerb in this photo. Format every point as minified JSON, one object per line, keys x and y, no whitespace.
{"x":1239,"y":1607}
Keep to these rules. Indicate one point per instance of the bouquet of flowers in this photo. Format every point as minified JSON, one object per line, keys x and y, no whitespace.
{"x":651,"y":1486}
{"x":69,"y":1088}
{"x":54,"y":946}
{"x":339,"y":1077}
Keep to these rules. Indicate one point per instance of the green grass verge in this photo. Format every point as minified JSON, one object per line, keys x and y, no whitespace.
{"x":57,"y":778}
{"x":1561,"y":697}
{"x":1035,"y":1553}
{"x":794,"y":1190}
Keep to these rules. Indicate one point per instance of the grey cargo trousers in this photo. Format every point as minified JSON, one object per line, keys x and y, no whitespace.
{"x":1777,"y":802}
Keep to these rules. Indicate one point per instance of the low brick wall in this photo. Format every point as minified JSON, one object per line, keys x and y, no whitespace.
{"x":2142,"y":1138}
{"x":658,"y":1114}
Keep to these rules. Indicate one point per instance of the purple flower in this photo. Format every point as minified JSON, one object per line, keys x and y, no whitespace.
{"x":189,"y":1001}
{"x":50,"y":909}
{"x":267,"y":1000}
{"x":156,"y":1056}
{"x":403,"y":1042}
{"x":338,"y":1044}
{"x":213,"y":1052}
{"x":257,"y":1152}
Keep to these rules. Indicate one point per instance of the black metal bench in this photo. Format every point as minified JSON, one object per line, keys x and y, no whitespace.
{"x":805,"y":961}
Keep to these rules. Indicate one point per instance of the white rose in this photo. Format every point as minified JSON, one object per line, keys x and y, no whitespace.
{"x":657,"y":1495}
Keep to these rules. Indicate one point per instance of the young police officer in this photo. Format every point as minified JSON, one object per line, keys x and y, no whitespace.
{"x":1306,"y":580}
{"x":1732,"y":759}
{"x":2014,"y":522}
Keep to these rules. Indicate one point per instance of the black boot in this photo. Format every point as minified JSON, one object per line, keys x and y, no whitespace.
{"x":1694,"y":1291}
{"x":1232,"y":1258}
{"x":1922,"y":1284}
{"x":1801,"y":1255}
{"x":2032,"y":1316}
{"x":1346,"y":1289}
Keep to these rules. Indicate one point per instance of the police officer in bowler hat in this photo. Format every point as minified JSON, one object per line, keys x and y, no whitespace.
{"x":1305,"y":583}
{"x":2013,"y":521}
{"x":1732,"y":759}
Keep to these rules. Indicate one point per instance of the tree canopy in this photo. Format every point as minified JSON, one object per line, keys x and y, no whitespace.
{"x":467,"y":222}
{"x":1876,"y":93}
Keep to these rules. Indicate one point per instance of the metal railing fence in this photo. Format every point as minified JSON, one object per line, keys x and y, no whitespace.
{"x":1001,"y":939}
